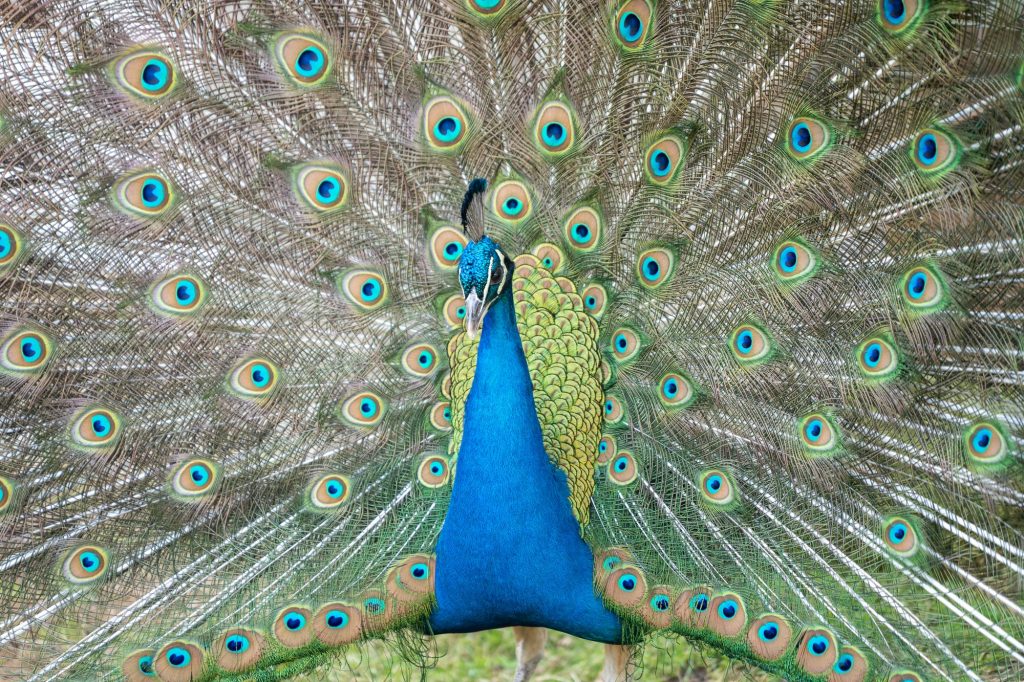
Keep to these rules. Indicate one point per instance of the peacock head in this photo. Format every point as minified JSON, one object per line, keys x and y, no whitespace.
{"x":485,"y":271}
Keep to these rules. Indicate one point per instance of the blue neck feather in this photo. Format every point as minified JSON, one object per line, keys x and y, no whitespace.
{"x":510,"y":551}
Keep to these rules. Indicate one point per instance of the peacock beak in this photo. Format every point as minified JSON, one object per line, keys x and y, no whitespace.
{"x":474,"y":313}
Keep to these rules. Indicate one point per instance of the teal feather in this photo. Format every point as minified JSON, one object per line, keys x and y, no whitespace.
{"x":230,"y":237}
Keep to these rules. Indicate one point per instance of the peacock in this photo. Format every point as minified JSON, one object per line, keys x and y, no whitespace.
{"x":334,"y":321}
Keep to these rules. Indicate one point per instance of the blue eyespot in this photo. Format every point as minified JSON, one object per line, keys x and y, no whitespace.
{"x":185,"y":292}
{"x":100,"y":425}
{"x":328,"y":190}
{"x":199,"y":474}
{"x":745,"y":341}
{"x":447,"y":414}
{"x":260,"y":375}
{"x":631,"y":27}
{"x":927,"y":147}
{"x":6,"y":244}
{"x":788,"y":259}
{"x":651,"y":268}
{"x":90,"y":561}
{"x":800,"y":137}
{"x":178,"y":657}
{"x":813,"y":429}
{"x":294,"y":621}
{"x":768,"y":632}
{"x":916,"y":285}
{"x":374,"y":606}
{"x":310,"y":62}
{"x":461,"y":312}
{"x":661,"y":163}
{"x":146,"y":665}
{"x":817,"y":645}
{"x":580,"y":233}
{"x":236,"y":644}
{"x":368,"y":407}
{"x":621,"y":464}
{"x":714,"y":484}
{"x":554,"y":134}
{"x":603,"y":446}
{"x":452,"y":250}
{"x":660,"y":603}
{"x":447,"y":129}
{"x":727,"y":609}
{"x":336,"y":619}
{"x":420,"y":571}
{"x":894,"y":11}
{"x":699,"y":603}
{"x":436,"y":468}
{"x":486,"y":4}
{"x":844,"y":664}
{"x":513,"y":206}
{"x":155,"y":75}
{"x":610,"y":563}
{"x":371,"y":290}
{"x":335,"y":489}
{"x":981,"y":440}
{"x":671,"y":388}
{"x":609,"y":406}
{"x":872,"y":354}
{"x":153,"y":192}
{"x":425,"y":359}
{"x":590,"y":302}
{"x":31,"y":348}
{"x":627,"y":582}
{"x":621,"y":342}
{"x":897,"y":532}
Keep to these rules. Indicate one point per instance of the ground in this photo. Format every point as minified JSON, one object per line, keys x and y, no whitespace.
{"x":490,"y":657}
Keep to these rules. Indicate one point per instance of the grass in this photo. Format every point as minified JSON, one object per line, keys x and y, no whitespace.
{"x":490,"y":657}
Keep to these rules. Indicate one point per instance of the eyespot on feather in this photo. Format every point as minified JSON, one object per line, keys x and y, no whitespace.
{"x":511,"y":201}
{"x":420,"y":360}
{"x":322,"y":187}
{"x":138,"y":666}
{"x":338,"y":623}
{"x":654,"y":267}
{"x":365,"y":289}
{"x":625,"y":344}
{"x":818,"y":434}
{"x":816,"y":651}
{"x":877,"y":358}
{"x":554,"y":131}
{"x":606,"y":449}
{"x":657,"y":609}
{"x":7,"y":492}
{"x":595,"y":299}
{"x":11,"y":247}
{"x":445,"y":124}
{"x":486,"y":8}
{"x":441,"y":416}
{"x":293,"y":626}
{"x":144,"y":195}
{"x":900,"y":536}
{"x":851,"y":666}
{"x":727,"y":615}
{"x":446,"y":245}
{"x":413,"y":574}
{"x":613,"y":410}
{"x":253,"y":379}
{"x":716,"y":488}
{"x":329,"y":492}
{"x":676,"y":391}
{"x":794,"y":262}
{"x":26,"y":351}
{"x":622,"y":470}
{"x":986,"y":442}
{"x":195,"y":478}
{"x":632,"y":23}
{"x":364,"y":409}
{"x":935,"y":152}
{"x":146,"y":75}
{"x":550,"y":257}
{"x":663,"y":160}
{"x":923,"y":289}
{"x":608,"y":560}
{"x":179,"y":661}
{"x":178,"y":295}
{"x":750,"y":345}
{"x":768,"y":637}
{"x":455,"y":311}
{"x":304,"y":60}
{"x":693,"y":607}
{"x":807,"y":138}
{"x":238,"y":649}
{"x":95,"y":428}
{"x":85,"y":564}
{"x":433,"y":471}
{"x":896,"y":16}
{"x":582,"y":229}
{"x":626,"y":586}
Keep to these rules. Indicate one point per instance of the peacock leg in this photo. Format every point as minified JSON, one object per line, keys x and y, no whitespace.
{"x":616,"y":664}
{"x":529,"y":651}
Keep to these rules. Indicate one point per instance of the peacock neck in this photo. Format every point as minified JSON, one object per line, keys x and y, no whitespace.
{"x":510,"y":551}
